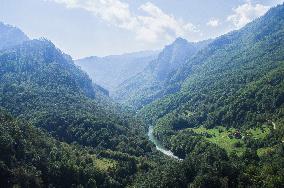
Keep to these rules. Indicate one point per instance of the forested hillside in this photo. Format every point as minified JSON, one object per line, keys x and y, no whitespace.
{"x":226,"y":120}
{"x":152,"y":82}
{"x":30,"y":158}
{"x":41,"y":87}
{"x":236,"y":82}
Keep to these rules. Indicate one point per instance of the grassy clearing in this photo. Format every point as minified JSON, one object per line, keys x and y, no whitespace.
{"x":259,"y":133}
{"x":264,"y":151}
{"x":188,"y":113}
{"x":104,"y":164}
{"x":220,"y":136}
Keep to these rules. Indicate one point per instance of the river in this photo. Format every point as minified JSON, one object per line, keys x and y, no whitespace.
{"x":159,"y":146}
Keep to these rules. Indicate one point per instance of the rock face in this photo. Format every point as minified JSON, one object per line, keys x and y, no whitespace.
{"x":172,"y":57}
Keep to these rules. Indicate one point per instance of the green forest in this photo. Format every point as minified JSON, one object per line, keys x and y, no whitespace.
{"x":220,"y":111}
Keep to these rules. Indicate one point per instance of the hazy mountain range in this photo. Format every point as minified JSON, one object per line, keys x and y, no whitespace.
{"x":111,"y":71}
{"x":147,"y":86}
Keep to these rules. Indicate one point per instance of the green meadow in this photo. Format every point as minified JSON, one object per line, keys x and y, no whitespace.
{"x":220,"y":136}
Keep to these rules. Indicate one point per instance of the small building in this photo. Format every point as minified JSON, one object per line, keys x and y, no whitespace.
{"x":237,"y":134}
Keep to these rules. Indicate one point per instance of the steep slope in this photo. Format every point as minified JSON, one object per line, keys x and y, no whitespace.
{"x":30,"y":158}
{"x":41,"y":85}
{"x":150,"y":84}
{"x":227,"y":121}
{"x":174,"y":56}
{"x":237,"y":81}
{"x":11,"y":36}
{"x":111,"y":71}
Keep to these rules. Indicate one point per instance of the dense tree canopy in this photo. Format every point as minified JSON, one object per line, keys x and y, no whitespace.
{"x":41,"y":87}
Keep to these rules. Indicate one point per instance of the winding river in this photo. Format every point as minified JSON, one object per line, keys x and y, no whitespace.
{"x":159,"y":146}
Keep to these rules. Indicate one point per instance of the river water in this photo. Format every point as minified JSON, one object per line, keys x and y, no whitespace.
{"x":159,"y":146}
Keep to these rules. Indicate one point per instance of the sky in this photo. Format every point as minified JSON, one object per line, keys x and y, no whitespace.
{"x":84,"y":28}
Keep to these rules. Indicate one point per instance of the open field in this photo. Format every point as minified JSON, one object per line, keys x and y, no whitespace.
{"x":220,"y":136}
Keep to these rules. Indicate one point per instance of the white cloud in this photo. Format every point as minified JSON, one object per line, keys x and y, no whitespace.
{"x":113,"y":11}
{"x":245,"y":13}
{"x":153,"y":26}
{"x":158,"y":24}
{"x":213,"y":22}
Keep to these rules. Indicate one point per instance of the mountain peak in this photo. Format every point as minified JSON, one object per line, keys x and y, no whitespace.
{"x":180,"y":40}
{"x":11,"y":36}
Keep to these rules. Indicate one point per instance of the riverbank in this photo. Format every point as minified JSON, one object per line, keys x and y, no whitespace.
{"x":159,"y":146}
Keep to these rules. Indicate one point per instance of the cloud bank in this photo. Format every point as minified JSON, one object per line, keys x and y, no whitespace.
{"x":245,"y":13}
{"x":152,"y":25}
{"x":213,"y":22}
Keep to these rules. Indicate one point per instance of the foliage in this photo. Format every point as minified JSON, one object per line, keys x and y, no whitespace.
{"x":237,"y":82}
{"x":41,"y":87}
{"x":30,"y":158}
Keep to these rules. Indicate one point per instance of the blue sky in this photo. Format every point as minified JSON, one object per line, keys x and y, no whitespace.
{"x":103,"y":27}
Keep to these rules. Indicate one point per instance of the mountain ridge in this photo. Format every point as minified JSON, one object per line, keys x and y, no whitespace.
{"x":13,"y":36}
{"x":147,"y":86}
{"x":110,"y":71}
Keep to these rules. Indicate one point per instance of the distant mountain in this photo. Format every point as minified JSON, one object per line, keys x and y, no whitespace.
{"x":173,"y":56}
{"x":11,"y":36}
{"x":111,"y":71}
{"x":146,"y":86}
